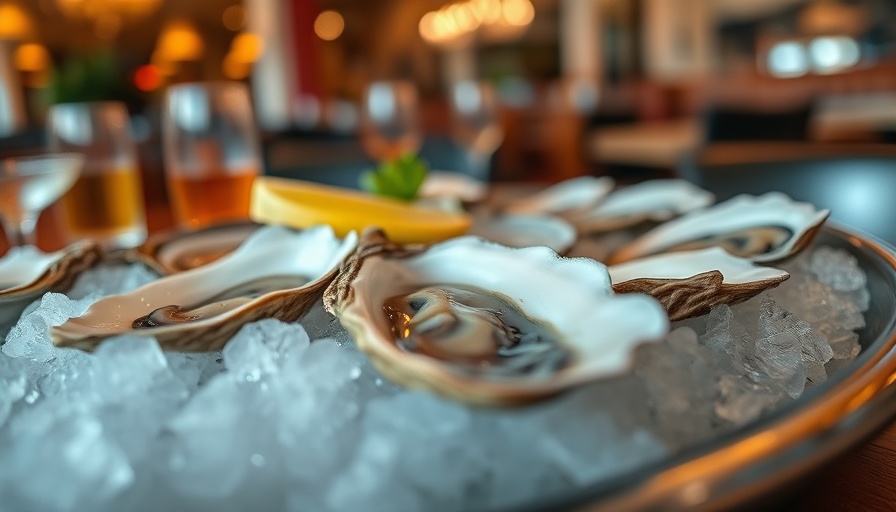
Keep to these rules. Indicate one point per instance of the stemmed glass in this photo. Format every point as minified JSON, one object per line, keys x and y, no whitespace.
{"x":476,"y":124}
{"x":30,"y":184}
{"x":390,"y":124}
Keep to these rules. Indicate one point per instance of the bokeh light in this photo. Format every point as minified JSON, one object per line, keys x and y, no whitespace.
{"x":32,"y":57}
{"x":329,"y":25}
{"x":147,"y":78}
{"x":234,"y":18}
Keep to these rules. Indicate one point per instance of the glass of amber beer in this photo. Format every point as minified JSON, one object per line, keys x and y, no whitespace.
{"x":211,"y":152}
{"x":106,"y":202}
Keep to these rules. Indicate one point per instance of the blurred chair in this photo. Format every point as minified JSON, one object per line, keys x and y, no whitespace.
{"x":724,"y":124}
{"x":856,"y":183}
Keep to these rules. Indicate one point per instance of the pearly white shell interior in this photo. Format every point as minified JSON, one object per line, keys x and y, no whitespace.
{"x":22,"y":266}
{"x":654,"y":199}
{"x":739,"y":213}
{"x":525,"y":231}
{"x":577,"y":193}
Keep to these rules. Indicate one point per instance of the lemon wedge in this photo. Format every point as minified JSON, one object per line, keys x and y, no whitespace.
{"x":301,"y":204}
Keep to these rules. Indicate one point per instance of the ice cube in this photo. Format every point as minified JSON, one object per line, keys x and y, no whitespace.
{"x":30,"y":339}
{"x":12,"y":385}
{"x":741,"y":401}
{"x":838,"y":269}
{"x":72,"y":466}
{"x":261,"y":348}
{"x":368,"y":483}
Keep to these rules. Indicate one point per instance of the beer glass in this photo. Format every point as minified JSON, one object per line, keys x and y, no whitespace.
{"x":211,"y":152}
{"x":106,"y":201}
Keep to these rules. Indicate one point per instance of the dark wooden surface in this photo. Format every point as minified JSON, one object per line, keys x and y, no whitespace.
{"x":863,"y":480}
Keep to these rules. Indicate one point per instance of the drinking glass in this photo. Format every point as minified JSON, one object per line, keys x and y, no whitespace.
{"x":106,"y":202}
{"x":476,"y":124}
{"x":390,"y":125}
{"x":28,"y":185}
{"x":211,"y":152}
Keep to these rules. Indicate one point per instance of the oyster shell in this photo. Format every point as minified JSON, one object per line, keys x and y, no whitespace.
{"x":276,"y":273}
{"x":690,"y":283}
{"x":177,"y":250}
{"x":654,"y":200}
{"x":525,"y":231}
{"x":567,"y":198}
{"x":454,"y":185}
{"x":487,"y":324}
{"x":760,"y":228}
{"x":26,"y":273}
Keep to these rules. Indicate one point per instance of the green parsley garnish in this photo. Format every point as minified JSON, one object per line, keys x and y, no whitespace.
{"x":400,"y":178}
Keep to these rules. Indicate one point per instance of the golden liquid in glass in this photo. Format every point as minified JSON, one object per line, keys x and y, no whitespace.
{"x":204,"y":200}
{"x":104,"y":203}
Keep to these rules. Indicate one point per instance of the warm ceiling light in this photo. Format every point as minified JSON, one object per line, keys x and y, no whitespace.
{"x":234,"y":18}
{"x":235,"y":69}
{"x":427,"y":27}
{"x":14,"y":22}
{"x":32,"y":57}
{"x":179,"y":42}
{"x":518,"y":13}
{"x":329,"y":25}
{"x":247,"y":47}
{"x":107,"y":15}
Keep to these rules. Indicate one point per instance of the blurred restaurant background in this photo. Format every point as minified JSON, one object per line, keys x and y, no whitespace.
{"x":633,"y":89}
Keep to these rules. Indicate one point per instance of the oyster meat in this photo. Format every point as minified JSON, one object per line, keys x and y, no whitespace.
{"x":488,"y":324}
{"x":276,"y":273}
{"x":690,"y":283}
{"x":762,"y":228}
{"x":653,"y":200}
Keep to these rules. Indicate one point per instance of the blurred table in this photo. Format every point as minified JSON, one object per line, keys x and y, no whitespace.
{"x":661,"y":144}
{"x":651,"y":144}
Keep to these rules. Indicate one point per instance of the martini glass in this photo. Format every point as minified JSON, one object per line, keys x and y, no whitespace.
{"x":30,"y":184}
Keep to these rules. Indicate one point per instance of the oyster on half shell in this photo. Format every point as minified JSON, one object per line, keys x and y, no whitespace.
{"x":653,"y":200}
{"x":26,"y":273}
{"x":567,"y":198}
{"x":276,"y":273}
{"x":488,"y":324}
{"x":690,"y":283}
{"x":762,"y":228}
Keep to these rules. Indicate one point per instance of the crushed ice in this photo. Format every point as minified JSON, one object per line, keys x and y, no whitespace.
{"x":278,"y":422}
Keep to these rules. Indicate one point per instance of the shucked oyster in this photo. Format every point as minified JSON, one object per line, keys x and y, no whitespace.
{"x":653,"y":200}
{"x":276,"y":273}
{"x":488,"y":324}
{"x":762,"y":228}
{"x":567,"y":198}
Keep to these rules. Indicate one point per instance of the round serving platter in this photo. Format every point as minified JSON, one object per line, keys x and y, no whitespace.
{"x":759,"y":463}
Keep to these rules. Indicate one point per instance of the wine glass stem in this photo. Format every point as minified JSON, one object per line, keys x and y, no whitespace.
{"x":21,"y":231}
{"x":479,"y":165}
